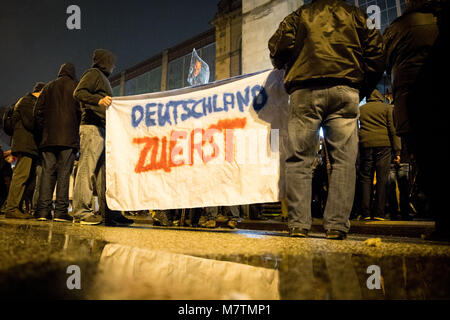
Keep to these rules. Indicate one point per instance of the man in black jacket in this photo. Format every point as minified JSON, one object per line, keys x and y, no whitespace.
{"x":57,"y":120}
{"x":378,"y":142}
{"x":416,"y":60}
{"x":331,"y":59}
{"x":24,"y":147}
{"x":94,"y":93}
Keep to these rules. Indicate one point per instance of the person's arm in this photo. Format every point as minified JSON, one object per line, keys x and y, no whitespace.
{"x":388,"y":38}
{"x":85,"y":92}
{"x":373,"y":53}
{"x":285,"y":41}
{"x":395,"y":140}
{"x":23,"y":111}
{"x":39,"y":110}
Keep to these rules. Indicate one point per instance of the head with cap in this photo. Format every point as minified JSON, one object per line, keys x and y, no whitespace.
{"x":104,"y":60}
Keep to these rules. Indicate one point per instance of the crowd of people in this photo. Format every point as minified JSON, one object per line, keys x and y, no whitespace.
{"x":332,"y":60}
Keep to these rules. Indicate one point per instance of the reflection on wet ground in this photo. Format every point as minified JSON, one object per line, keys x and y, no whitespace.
{"x":152,"y":263}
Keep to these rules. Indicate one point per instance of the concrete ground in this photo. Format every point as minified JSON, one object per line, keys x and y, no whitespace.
{"x":146,"y":262}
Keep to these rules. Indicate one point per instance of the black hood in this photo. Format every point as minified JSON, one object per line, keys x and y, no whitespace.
{"x":38,"y":87}
{"x":68,"y":69}
{"x":376,"y":96}
{"x":103,"y":60}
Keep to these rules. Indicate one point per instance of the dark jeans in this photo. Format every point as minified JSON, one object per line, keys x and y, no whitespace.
{"x":212,"y":212}
{"x":432,"y":175}
{"x":336,"y":109}
{"x":377,"y":159}
{"x":57,"y":165}
{"x":399,"y":182}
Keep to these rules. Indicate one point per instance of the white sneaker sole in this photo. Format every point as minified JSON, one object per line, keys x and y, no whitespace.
{"x":63,"y":220}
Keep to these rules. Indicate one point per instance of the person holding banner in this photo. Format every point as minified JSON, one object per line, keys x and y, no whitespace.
{"x":331,"y":60}
{"x":94,"y":93}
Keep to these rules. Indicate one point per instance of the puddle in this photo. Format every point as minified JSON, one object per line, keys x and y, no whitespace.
{"x":34,"y":262}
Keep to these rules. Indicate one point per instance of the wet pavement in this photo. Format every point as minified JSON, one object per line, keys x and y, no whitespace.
{"x":145,"y":262}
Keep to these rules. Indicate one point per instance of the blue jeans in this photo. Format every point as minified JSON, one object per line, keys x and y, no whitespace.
{"x":91,"y":172}
{"x":336,"y":110}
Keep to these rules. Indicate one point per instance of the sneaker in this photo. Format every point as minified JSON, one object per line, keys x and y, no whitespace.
{"x":17,"y":214}
{"x":92,"y":220}
{"x":64,"y":218}
{"x":298,"y":232}
{"x":160,"y":219}
{"x":201,"y":220}
{"x":211,"y":224}
{"x":336,"y":235}
{"x":43,"y":217}
{"x":221,"y":218}
{"x":232,"y":224}
{"x":117,"y":219}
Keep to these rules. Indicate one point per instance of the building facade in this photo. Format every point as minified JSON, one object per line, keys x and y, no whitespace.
{"x":237,"y":44}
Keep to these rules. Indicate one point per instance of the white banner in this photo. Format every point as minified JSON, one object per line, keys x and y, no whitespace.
{"x":212,"y":145}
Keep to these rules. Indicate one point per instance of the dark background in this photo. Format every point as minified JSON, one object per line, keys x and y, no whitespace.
{"x":35,"y":40}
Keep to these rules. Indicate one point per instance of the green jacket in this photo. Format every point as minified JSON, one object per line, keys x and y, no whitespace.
{"x":23,"y":140}
{"x":377,"y":124}
{"x":94,"y":86}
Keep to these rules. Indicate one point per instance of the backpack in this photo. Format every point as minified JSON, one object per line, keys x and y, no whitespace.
{"x":7,"y":121}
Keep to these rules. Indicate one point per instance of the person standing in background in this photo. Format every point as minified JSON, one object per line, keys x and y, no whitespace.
{"x":378,"y":142}
{"x":57,"y":121}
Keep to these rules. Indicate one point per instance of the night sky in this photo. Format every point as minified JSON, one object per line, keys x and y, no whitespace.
{"x":35,"y":40}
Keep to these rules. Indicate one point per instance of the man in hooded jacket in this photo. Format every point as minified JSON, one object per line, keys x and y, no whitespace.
{"x":94,"y":93}
{"x":23,"y":146}
{"x":378,"y":141}
{"x":57,"y":120}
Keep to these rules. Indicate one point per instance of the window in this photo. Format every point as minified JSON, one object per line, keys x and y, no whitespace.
{"x":116,"y":91}
{"x":175,"y":74}
{"x":145,"y":83}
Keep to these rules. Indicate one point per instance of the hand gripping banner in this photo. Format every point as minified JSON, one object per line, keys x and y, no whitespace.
{"x":219,"y":144}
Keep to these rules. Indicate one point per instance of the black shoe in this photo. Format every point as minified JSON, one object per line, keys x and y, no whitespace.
{"x":117,"y":219}
{"x":63,"y":218}
{"x":436,"y":236}
{"x":210,"y":224}
{"x":298,"y":233}
{"x":92,"y":220}
{"x":160,"y":219}
{"x":43,"y":217}
{"x":17,"y":214}
{"x":336,"y":235}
